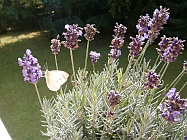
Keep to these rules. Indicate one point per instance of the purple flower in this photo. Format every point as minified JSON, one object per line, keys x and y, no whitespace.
{"x":117,"y":42}
{"x":114,"y":53}
{"x":55,"y":45}
{"x":71,"y":36}
{"x":31,"y":68}
{"x":109,"y":113}
{"x":120,"y":30}
{"x":152,"y":81}
{"x":135,"y":46}
{"x":165,"y":42}
{"x":173,"y":108}
{"x":160,"y":18}
{"x":90,"y":32}
{"x":114,"y":98}
{"x":185,"y":138}
{"x":142,"y":25}
{"x":170,"y":48}
{"x":94,"y":56}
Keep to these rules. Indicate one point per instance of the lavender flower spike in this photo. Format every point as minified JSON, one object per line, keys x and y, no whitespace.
{"x":120,"y":30}
{"x":90,"y":32}
{"x":152,"y":81}
{"x":71,"y":36}
{"x":160,"y":18}
{"x":170,"y":48}
{"x":142,"y":26}
{"x":135,"y":46}
{"x":174,"y":108}
{"x":94,"y":56}
{"x":31,"y":68}
{"x":55,"y":45}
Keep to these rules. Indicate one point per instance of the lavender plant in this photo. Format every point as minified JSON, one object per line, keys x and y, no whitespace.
{"x":130,"y":104}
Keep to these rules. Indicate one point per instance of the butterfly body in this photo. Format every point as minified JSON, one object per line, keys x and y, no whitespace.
{"x":55,"y":79}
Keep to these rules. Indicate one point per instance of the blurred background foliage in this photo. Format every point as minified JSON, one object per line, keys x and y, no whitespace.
{"x":52,"y":15}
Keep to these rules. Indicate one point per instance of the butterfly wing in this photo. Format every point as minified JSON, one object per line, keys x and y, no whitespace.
{"x":55,"y":79}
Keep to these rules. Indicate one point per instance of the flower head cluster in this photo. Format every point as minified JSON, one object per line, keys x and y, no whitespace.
{"x":152,"y":80}
{"x":120,"y":30}
{"x":118,"y":41}
{"x":142,"y":26}
{"x":55,"y":45}
{"x":150,"y":27}
{"x":160,"y":18}
{"x":135,"y":46}
{"x":170,"y":48}
{"x":109,"y":113}
{"x":114,"y":53}
{"x":173,"y":108}
{"x":114,"y":98}
{"x":31,"y":68}
{"x":90,"y":32}
{"x":71,"y":36}
{"x":94,"y":56}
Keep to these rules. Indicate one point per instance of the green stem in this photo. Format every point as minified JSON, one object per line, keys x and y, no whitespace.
{"x":86,"y":59}
{"x":182,"y":87}
{"x":164,"y":70}
{"x":38,"y":94}
{"x":156,"y":60}
{"x":93,"y":67}
{"x":72,"y":63}
{"x":56,"y":62}
{"x":129,"y":65}
{"x":141,"y":54}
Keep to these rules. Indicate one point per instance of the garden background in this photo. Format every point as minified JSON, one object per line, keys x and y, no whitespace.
{"x":33,"y":23}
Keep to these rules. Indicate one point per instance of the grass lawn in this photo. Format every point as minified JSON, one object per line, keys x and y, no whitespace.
{"x":19,"y":105}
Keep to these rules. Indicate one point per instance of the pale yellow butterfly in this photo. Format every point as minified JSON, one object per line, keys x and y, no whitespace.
{"x":55,"y":79}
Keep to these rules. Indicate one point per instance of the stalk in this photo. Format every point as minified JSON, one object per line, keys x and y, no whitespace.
{"x":164,"y":70}
{"x":38,"y":94}
{"x":141,"y":54}
{"x":72,"y":63}
{"x":56,"y":62}
{"x":86,"y":58}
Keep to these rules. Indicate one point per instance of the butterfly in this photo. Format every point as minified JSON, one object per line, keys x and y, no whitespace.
{"x":55,"y":79}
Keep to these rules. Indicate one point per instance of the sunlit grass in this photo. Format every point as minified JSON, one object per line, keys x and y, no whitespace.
{"x":15,"y":37}
{"x":19,"y":106}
